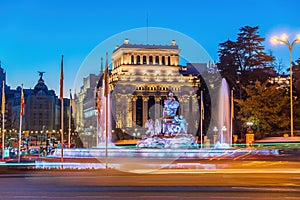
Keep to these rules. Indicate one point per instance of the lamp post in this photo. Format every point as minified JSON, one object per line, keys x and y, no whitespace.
{"x":284,"y":40}
{"x":249,"y":124}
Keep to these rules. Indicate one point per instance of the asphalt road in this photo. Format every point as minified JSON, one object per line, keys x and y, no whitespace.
{"x":164,"y":184}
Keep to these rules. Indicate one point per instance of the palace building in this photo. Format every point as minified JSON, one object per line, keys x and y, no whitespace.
{"x":140,"y":79}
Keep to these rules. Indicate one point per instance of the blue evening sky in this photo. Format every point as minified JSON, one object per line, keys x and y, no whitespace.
{"x":34,"y":33}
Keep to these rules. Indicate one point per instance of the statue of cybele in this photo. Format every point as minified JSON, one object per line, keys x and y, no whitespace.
{"x":174,"y":129}
{"x":170,"y":106}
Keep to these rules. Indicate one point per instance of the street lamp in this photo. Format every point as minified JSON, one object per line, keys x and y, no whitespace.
{"x":249,"y":124}
{"x":284,"y":40}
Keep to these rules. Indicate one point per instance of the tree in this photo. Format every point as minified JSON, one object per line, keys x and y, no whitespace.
{"x":267,"y":106}
{"x":296,"y":78}
{"x":244,"y":61}
{"x":296,"y":93}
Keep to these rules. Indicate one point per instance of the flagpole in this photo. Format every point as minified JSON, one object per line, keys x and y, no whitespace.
{"x":70,"y":117}
{"x":3,"y":118}
{"x":201,"y":121}
{"x":97,"y":116}
{"x":62,"y":108}
{"x":231,"y":119}
{"x":106,"y":133}
{"x":20,"y":129}
{"x":106,"y":94}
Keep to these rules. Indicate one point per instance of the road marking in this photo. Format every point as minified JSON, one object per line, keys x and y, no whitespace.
{"x":229,"y":171}
{"x":277,"y":189}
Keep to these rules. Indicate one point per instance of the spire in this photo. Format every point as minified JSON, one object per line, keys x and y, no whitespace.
{"x":101,"y":69}
{"x":105,"y":77}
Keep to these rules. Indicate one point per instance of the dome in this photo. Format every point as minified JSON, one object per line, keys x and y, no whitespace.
{"x":40,"y":87}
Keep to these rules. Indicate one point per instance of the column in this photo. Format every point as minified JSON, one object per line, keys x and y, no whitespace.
{"x":160,"y":60}
{"x":157,"y":107}
{"x":184,"y":104}
{"x":118,"y":110}
{"x":145,"y":109}
{"x":134,"y":99}
{"x":194,"y":103}
{"x":166,"y":60}
{"x":195,"y":114}
{"x":176,"y":60}
{"x":129,"y":113}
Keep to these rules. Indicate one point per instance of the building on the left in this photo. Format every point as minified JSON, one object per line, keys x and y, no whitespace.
{"x":42,"y":113}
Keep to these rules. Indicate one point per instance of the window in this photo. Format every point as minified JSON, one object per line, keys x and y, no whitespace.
{"x":151,"y":60}
{"x":169,"y":60}
{"x":132,"y":59}
{"x":156,"y":60}
{"x":144,"y":60}
{"x":138,"y":60}
{"x":163,"y":62}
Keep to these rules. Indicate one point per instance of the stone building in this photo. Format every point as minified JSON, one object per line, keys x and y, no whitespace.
{"x":85,"y":111}
{"x":140,"y":80}
{"x":40,"y":108}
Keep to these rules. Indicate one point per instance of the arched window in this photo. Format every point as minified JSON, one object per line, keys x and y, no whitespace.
{"x":144,"y":60}
{"x":156,"y":60}
{"x":138,"y":60}
{"x":163,"y":62}
{"x":169,"y":60}
{"x":132,"y":59}
{"x":151,"y":60}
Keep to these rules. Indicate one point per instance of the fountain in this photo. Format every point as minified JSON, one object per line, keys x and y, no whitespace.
{"x":223,"y":115}
{"x":168,"y":140}
{"x":173,"y":132}
{"x":103,"y":118}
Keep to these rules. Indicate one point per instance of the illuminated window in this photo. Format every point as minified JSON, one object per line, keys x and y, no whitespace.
{"x":151,"y":60}
{"x":156,"y":60}
{"x":163,"y":62}
{"x":138,"y":60}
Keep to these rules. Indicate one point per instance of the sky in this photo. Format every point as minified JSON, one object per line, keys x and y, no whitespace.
{"x":34,"y":34}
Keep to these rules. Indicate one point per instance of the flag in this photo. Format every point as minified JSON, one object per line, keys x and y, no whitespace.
{"x":105,"y":77}
{"x":62,"y":78}
{"x":71,"y":105}
{"x":22,"y":102}
{"x":3,"y":100}
{"x":202,"y":106}
{"x":97,"y":100}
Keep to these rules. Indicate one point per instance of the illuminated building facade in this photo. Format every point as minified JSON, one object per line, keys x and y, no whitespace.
{"x":140,"y":79}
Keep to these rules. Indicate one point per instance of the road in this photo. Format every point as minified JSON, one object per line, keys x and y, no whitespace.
{"x":273,"y":180}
